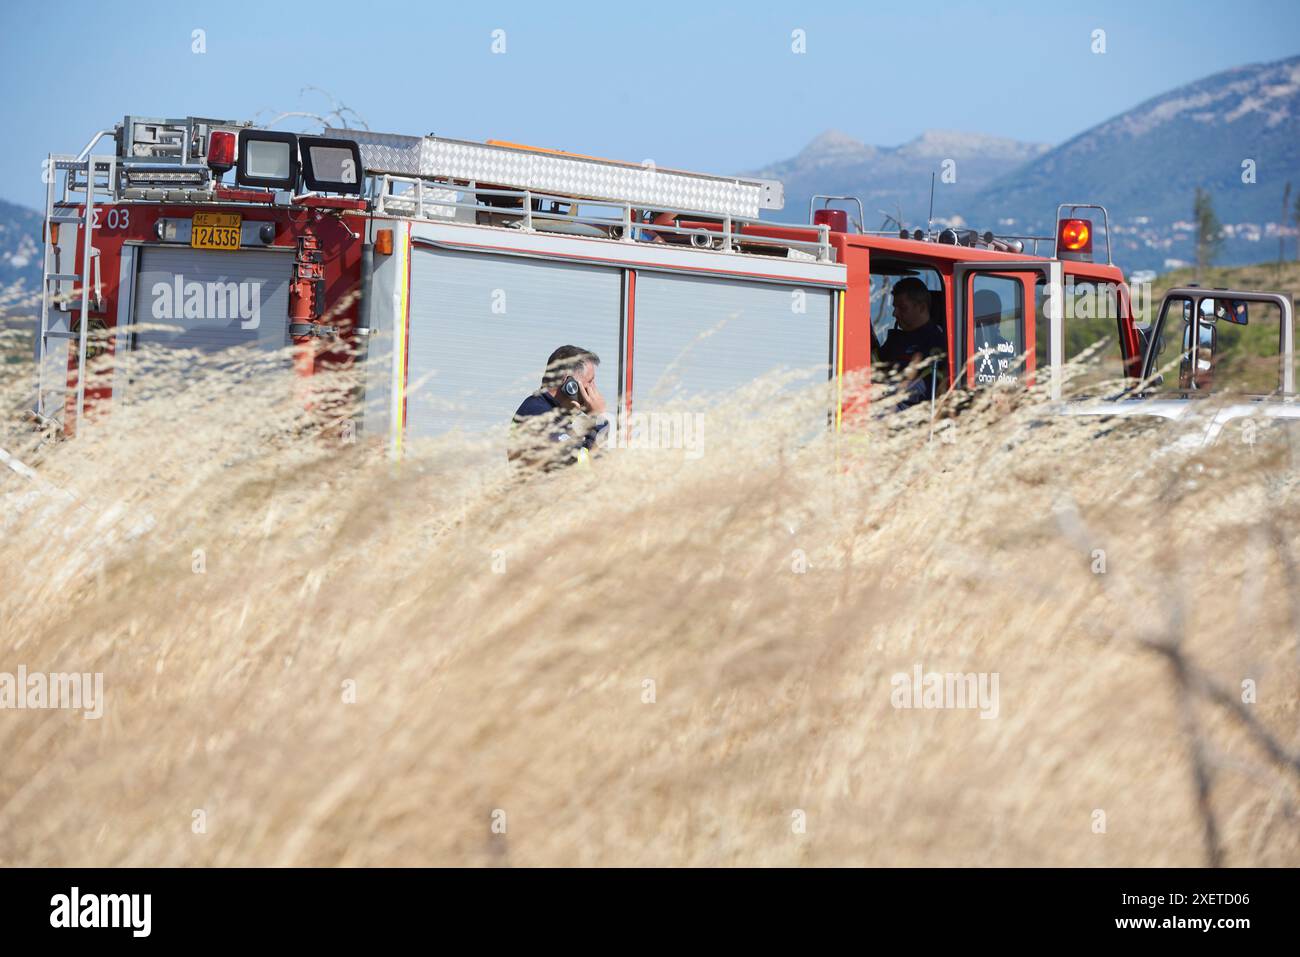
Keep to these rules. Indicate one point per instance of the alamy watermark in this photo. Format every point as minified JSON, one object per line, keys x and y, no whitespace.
{"x":946,"y":690}
{"x":129,"y":911}
{"x":212,"y":300}
{"x":36,"y":690}
{"x":658,"y":431}
{"x":1100,"y":300}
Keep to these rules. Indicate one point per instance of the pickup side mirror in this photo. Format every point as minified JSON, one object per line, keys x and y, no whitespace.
{"x":1197,"y":367}
{"x":1236,"y":311}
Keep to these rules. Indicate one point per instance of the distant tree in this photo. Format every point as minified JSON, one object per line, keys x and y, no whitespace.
{"x":1286,"y":214}
{"x":1295,"y":218}
{"x":1209,"y":231}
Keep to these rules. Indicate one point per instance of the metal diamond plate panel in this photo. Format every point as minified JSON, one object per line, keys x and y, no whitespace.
{"x":430,"y":156}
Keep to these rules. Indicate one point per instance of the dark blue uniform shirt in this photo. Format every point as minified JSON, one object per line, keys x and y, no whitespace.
{"x":565,"y":431}
{"x":901,"y":347}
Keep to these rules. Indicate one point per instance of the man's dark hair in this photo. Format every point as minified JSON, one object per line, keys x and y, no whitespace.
{"x":566,"y":361}
{"x":913,"y":289}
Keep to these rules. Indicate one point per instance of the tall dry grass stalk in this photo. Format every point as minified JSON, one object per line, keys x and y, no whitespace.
{"x":658,"y":660}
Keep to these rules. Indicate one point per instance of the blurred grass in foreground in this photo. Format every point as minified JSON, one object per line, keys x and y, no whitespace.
{"x":657,"y":660}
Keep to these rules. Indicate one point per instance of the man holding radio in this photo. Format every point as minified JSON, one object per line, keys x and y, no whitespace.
{"x":561,"y":422}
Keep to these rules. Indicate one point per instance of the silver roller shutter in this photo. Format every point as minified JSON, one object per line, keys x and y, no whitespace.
{"x":482,"y":327}
{"x":255,"y":313}
{"x":707,"y":336}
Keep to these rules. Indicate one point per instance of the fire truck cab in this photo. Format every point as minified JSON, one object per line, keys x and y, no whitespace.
{"x":448,"y":270}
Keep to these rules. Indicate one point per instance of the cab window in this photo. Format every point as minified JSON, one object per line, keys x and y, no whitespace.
{"x":883,"y":279}
{"x":1090,"y":333}
{"x":910,"y":352}
{"x":1237,"y":347}
{"x":998,"y":313}
{"x":1245,"y":346}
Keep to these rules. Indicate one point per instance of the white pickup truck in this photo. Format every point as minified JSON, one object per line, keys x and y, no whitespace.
{"x":1212,"y":358}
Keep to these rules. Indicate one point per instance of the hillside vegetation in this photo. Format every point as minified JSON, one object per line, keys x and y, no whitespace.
{"x":1283,"y":277}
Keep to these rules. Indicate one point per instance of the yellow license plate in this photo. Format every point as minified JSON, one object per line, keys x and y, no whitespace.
{"x":215,"y":230}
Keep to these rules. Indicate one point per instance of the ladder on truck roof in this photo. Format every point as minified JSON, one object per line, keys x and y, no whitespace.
{"x":90,"y":175}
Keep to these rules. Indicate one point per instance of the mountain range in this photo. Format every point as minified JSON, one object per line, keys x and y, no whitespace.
{"x":895,"y":181}
{"x":1143,"y":165}
{"x":20,"y":246}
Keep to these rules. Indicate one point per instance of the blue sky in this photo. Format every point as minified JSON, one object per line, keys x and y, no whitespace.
{"x":713,"y":87}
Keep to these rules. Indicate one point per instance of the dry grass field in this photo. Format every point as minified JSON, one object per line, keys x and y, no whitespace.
{"x":314,"y":656}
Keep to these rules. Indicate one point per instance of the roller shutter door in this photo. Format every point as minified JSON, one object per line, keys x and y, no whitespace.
{"x":706,"y":337}
{"x":243,"y":298}
{"x":482,"y":327}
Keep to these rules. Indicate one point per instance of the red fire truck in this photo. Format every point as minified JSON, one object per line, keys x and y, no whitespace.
{"x":450,"y":269}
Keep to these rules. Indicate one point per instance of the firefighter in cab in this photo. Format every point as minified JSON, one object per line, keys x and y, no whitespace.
{"x":916,"y":337}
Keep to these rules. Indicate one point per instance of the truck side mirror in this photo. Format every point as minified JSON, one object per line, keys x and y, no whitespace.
{"x":1209,"y":336}
{"x":1227,"y":310}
